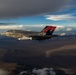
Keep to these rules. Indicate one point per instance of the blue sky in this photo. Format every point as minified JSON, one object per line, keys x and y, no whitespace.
{"x":63,"y":17}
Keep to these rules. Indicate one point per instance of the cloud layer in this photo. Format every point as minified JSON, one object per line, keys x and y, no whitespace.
{"x":60,"y":17}
{"x":37,"y":27}
{"x":16,"y":8}
{"x":11,"y":27}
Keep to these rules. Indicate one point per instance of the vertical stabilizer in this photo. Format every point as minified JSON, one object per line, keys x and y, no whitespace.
{"x":48,"y":30}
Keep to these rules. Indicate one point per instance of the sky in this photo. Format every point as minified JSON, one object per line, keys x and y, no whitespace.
{"x":29,"y":14}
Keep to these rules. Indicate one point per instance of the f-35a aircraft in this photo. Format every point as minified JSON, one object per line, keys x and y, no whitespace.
{"x":46,"y":33}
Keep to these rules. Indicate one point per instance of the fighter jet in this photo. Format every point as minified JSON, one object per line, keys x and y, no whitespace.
{"x":46,"y":33}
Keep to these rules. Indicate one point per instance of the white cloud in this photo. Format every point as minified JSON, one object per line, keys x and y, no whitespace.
{"x":31,"y":27}
{"x":40,"y":27}
{"x":11,"y":26}
{"x":59,"y":27}
{"x":44,"y":71}
{"x":37,"y":27}
{"x":62,"y":34}
{"x":65,"y":28}
{"x":60,"y":17}
{"x":69,"y":29}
